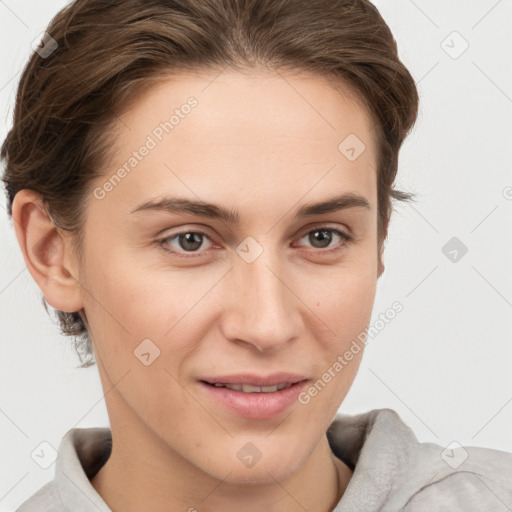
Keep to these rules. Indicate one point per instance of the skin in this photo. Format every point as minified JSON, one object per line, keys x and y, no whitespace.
{"x":262,"y":144}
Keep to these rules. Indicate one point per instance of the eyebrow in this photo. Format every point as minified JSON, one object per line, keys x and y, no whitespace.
{"x":183,"y":205}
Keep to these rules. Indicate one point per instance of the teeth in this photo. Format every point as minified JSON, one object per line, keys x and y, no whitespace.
{"x":269,"y":389}
{"x":248,"y":388}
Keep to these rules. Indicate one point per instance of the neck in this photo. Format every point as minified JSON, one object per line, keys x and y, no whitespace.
{"x":147,"y":475}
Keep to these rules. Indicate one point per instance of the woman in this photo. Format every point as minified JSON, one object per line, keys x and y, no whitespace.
{"x":202,"y":190}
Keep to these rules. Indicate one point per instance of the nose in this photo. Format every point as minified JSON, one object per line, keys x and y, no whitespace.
{"x":262,"y":310}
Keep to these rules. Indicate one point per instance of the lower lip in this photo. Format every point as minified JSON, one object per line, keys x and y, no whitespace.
{"x":256,"y":406}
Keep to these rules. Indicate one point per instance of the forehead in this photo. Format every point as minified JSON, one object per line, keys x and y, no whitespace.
{"x":259,"y":134}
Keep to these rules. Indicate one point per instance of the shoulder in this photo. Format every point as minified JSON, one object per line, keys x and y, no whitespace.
{"x":393,"y":471}
{"x":461,"y":478}
{"x":46,"y":499}
{"x":82,"y":452}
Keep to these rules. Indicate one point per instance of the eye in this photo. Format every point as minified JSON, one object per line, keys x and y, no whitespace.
{"x":322,"y":237}
{"x":192,"y":241}
{"x":186,"y":241}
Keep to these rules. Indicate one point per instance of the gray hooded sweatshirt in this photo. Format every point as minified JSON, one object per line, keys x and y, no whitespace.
{"x":392,"y":471}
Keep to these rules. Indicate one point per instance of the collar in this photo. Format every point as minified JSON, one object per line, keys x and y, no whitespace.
{"x":381,"y":450}
{"x":376,"y":445}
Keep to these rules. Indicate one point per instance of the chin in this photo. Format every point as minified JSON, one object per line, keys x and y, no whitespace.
{"x":260,"y":474}
{"x":249,"y":464}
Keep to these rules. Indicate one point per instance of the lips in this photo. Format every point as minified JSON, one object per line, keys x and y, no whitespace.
{"x":254,"y":396}
{"x":253,"y":383}
{"x":249,"y":388}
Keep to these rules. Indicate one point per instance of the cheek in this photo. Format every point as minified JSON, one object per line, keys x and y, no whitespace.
{"x":343,"y":299}
{"x":130,"y":300}
{"x":351,"y":309}
{"x":141,"y":316}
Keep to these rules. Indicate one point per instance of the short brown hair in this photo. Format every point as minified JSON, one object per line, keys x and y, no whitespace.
{"x":106,"y":52}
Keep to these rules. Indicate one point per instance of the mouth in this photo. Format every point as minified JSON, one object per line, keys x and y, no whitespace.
{"x":249,"y":388}
{"x":253,"y":396}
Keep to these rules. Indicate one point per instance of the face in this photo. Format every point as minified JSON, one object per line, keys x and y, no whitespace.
{"x":181,"y":295}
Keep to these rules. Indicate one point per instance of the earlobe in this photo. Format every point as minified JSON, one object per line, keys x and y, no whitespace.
{"x":380,"y":261}
{"x":44,"y":248}
{"x":380,"y":268}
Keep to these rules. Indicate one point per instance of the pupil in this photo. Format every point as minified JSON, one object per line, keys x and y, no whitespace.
{"x":326,"y":236}
{"x":195,"y":239}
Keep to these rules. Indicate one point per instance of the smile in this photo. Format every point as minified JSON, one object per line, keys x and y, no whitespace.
{"x":248,"y":388}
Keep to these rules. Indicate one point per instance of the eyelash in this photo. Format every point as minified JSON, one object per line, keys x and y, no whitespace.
{"x":344,"y":236}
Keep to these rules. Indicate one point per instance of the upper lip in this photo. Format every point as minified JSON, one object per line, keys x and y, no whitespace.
{"x":256,"y":380}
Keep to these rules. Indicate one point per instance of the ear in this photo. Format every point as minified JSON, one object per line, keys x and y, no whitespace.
{"x":47,"y":252}
{"x":380,"y":258}
{"x":380,"y":266}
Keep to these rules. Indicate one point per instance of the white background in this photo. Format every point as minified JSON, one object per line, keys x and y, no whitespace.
{"x":444,"y":362}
